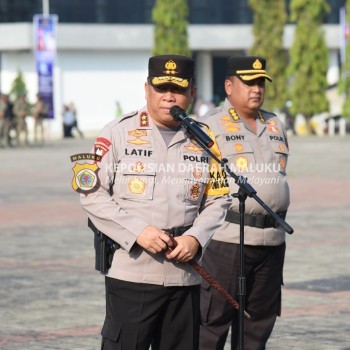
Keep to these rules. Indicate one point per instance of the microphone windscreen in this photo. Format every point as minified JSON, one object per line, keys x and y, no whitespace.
{"x":176,"y":111}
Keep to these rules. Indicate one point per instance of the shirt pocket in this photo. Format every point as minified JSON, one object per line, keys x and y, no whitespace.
{"x":195,"y":182}
{"x":280,"y":156}
{"x":135,"y":179}
{"x":240,"y":155}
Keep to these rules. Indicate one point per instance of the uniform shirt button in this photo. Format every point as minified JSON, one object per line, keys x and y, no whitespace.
{"x":126,"y":243}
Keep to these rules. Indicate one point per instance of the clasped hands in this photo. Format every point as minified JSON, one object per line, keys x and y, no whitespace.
{"x":155,"y":240}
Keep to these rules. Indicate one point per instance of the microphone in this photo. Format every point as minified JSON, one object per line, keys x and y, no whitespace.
{"x":191,"y":126}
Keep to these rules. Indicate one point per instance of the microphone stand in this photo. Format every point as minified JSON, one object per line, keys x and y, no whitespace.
{"x":245,"y":190}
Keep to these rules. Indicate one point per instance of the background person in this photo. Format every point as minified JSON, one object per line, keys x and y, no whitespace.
{"x":68,"y":121}
{"x":152,"y":294}
{"x":21,"y":109}
{"x":3,"y":121}
{"x":39,"y":112}
{"x":255,"y":144}
{"x":75,"y":126}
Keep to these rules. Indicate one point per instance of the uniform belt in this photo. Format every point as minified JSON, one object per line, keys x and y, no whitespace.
{"x":260,"y":221}
{"x":177,"y":231}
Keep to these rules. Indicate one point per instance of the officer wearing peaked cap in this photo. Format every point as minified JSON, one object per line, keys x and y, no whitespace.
{"x":255,"y":144}
{"x":161,"y":184}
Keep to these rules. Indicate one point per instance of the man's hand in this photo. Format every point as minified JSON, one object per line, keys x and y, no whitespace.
{"x":154,"y":240}
{"x":185,"y":250}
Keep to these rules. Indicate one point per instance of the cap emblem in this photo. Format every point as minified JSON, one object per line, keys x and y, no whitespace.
{"x":170,"y":67}
{"x":257,"y":64}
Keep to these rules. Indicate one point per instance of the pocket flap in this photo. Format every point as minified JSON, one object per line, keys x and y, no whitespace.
{"x":237,"y":147}
{"x":111,"y":330}
{"x":279,"y":147}
{"x":133,"y":166}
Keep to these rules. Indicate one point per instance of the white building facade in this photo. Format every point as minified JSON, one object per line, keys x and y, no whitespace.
{"x":100,"y":64}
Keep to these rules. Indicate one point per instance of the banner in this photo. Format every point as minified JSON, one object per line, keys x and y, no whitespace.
{"x":344,"y":33}
{"x":45,"y":54}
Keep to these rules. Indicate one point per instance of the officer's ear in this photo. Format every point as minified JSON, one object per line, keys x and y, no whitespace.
{"x":229,"y":86}
{"x":193,"y":92}
{"x":147,"y":87}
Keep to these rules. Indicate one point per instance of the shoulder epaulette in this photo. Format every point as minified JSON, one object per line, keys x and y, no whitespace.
{"x":213,"y":111}
{"x":128,"y":115}
{"x":115,"y":122}
{"x":266,"y":112}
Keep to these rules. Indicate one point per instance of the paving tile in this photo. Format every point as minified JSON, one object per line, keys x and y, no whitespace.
{"x":52,"y":298}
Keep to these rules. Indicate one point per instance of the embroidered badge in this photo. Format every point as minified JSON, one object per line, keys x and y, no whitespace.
{"x":242,"y":163}
{"x":194,"y":148}
{"x":85,"y":156}
{"x":101,"y":146}
{"x":273,"y":129}
{"x":85,"y":178}
{"x":283,"y":163}
{"x":170,"y":67}
{"x":234,"y":114}
{"x":138,"y":167}
{"x":136,"y":185}
{"x":194,"y":191}
{"x":238,"y":147}
{"x":228,"y":124}
{"x":138,"y":134}
{"x":197,"y":173}
{"x":257,"y":64}
{"x":144,"y":119}
{"x":232,"y":129}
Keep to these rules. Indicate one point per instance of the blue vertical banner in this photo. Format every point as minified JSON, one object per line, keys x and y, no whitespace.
{"x":45,"y":54}
{"x":345,"y":31}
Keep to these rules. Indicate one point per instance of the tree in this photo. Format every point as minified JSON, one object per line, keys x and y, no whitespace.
{"x":268,"y":28}
{"x":170,"y":32}
{"x":18,"y":86}
{"x":308,"y":64}
{"x":344,"y":84}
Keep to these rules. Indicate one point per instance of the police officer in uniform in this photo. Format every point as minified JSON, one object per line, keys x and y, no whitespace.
{"x":254,"y":142}
{"x":162,"y":182}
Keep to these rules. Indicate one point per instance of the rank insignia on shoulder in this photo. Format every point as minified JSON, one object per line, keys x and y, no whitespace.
{"x":234,"y":114}
{"x":144,"y":120}
{"x":261,"y":117}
